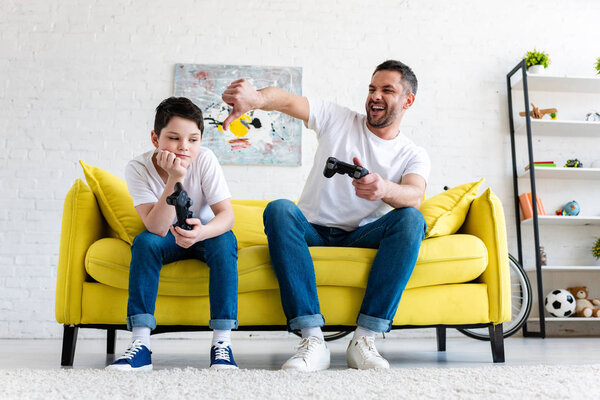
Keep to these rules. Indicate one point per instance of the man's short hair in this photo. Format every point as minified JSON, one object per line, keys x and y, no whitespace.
{"x":409,"y":79}
{"x":177,"y":107}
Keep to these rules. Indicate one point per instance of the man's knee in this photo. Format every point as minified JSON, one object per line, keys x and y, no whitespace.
{"x":409,"y":220}
{"x":278,"y":210}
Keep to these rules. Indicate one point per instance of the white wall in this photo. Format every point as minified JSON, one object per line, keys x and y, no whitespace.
{"x":80,"y":80}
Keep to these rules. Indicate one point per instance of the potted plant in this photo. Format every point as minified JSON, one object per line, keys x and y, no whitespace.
{"x":596,"y":249}
{"x":536,"y":61}
{"x":597,"y":66}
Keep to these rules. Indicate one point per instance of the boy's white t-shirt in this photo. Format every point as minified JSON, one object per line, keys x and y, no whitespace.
{"x":343,"y":134}
{"x":204,"y":183}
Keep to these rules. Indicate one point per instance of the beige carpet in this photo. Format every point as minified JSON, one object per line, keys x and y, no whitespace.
{"x":490,"y":382}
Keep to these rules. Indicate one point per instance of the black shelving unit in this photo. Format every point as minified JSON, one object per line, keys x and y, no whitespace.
{"x":522,"y":66}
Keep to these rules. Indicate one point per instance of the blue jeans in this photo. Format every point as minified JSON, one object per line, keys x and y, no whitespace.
{"x":397,"y":236}
{"x":149,"y":252}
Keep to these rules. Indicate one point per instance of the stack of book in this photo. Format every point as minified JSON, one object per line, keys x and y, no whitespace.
{"x":537,"y":164}
{"x":527,"y":208}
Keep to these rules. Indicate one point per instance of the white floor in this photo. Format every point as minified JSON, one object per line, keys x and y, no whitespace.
{"x":270,"y":353}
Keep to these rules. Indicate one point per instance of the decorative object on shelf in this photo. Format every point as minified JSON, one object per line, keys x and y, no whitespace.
{"x":597,"y":66}
{"x":560,"y":303}
{"x":570,"y":209}
{"x":596,"y":249}
{"x":526,"y":202}
{"x":537,"y":61}
{"x":543,"y":256}
{"x":541,"y":164}
{"x":537,"y":113}
{"x":592,"y":117}
{"x":584,"y":307}
{"x":574,"y":163}
{"x":553,"y":116}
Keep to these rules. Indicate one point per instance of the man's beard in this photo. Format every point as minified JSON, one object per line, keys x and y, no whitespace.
{"x":381,"y":122}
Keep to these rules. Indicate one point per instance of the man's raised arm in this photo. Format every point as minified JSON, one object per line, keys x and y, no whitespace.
{"x":243,"y":97}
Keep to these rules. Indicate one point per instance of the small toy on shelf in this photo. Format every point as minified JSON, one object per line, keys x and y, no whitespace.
{"x":574,"y":163}
{"x":584,"y":307}
{"x":553,"y":115}
{"x":593,"y":117}
{"x":543,"y":256}
{"x":560,"y":303}
{"x":570,"y":209}
{"x":596,"y":249}
{"x":537,"y":113}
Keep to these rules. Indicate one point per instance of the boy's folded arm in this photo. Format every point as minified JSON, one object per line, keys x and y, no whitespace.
{"x":223,"y":220}
{"x":156,"y":217}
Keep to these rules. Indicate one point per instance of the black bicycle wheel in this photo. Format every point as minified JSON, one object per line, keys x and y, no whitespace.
{"x":521,"y":304}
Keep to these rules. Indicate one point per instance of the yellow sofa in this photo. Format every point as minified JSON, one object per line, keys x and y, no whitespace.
{"x":460,"y":280}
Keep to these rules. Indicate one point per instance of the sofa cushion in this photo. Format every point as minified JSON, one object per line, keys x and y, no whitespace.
{"x":248,"y":228}
{"x":115,"y":202}
{"x":445,"y":213}
{"x":448,"y":259}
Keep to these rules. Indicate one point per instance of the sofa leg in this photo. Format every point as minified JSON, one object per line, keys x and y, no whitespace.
{"x":441,"y":337}
{"x":68,"y":345}
{"x":497,"y":342}
{"x":111,"y":338}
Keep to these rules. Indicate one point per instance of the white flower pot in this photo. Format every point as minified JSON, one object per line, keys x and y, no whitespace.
{"x":536,"y":69}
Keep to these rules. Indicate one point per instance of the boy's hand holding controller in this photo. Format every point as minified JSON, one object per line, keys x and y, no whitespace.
{"x":370,"y":187}
{"x":186,"y":238}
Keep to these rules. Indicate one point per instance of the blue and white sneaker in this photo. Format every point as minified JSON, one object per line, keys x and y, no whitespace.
{"x":221,"y":357}
{"x":136,"y":358}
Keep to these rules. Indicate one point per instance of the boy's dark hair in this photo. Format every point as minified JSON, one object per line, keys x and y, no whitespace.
{"x":177,"y":107}
{"x":409,"y":79}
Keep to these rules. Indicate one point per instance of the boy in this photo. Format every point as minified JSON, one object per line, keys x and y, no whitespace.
{"x":151,"y":178}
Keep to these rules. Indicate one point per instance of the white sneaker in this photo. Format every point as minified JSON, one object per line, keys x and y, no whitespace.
{"x":312,"y":355}
{"x":362,"y":354}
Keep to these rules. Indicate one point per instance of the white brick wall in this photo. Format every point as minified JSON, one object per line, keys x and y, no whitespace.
{"x":80,"y":80}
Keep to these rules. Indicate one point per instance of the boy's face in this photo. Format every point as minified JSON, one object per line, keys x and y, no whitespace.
{"x":180,"y":136}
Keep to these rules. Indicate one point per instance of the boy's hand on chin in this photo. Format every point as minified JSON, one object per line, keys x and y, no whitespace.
{"x":185,"y":238}
{"x":171,"y":164}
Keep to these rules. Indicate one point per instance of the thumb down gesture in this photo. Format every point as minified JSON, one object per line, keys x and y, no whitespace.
{"x":242,"y":97}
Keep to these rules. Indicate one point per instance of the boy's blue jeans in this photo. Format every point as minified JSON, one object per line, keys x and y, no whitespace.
{"x":397,"y":235}
{"x":149,"y":252}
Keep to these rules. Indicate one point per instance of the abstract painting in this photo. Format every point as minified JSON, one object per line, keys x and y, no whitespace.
{"x":257,"y":137}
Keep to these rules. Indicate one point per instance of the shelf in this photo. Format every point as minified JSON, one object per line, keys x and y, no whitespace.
{"x":568,"y":319}
{"x":563,"y":220}
{"x":549,"y":127}
{"x":548,"y":83}
{"x":563,"y":173}
{"x":570,"y":268}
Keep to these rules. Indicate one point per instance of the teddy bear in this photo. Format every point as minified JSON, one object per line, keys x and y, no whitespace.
{"x":584,"y":307}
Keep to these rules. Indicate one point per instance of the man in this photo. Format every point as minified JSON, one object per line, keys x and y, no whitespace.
{"x":379,"y":210}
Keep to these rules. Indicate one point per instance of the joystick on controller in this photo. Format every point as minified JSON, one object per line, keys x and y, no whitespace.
{"x":182,"y":204}
{"x":333,"y":166}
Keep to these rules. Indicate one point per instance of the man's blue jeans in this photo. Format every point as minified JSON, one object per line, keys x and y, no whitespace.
{"x":397,"y":236}
{"x":149,"y":252}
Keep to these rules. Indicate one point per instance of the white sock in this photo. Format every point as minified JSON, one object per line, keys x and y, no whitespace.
{"x":141,"y":333}
{"x":221,"y":336}
{"x":360,"y":331}
{"x":312,"y":331}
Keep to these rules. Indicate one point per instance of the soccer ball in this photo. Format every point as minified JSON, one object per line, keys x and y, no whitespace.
{"x":560,"y":303}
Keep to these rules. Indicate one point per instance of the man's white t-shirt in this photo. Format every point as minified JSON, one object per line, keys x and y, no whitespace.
{"x":343,"y":134}
{"x":204,"y":183}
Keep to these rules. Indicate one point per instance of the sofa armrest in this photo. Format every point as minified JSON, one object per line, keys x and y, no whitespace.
{"x":82,"y":225}
{"x":486,"y":221}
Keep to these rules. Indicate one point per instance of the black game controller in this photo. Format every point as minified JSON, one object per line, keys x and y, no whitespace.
{"x":333,"y":166}
{"x":182,"y":204}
